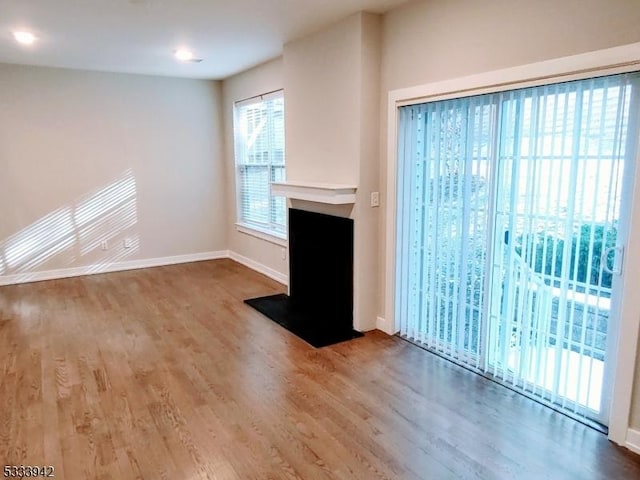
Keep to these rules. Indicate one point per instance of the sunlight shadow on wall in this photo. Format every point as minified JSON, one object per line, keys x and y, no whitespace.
{"x":42,"y":240}
{"x":106,"y":214}
{"x":74,"y":234}
{"x":2,"y":264}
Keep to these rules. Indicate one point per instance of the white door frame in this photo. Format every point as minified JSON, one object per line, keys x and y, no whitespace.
{"x":610,"y":61}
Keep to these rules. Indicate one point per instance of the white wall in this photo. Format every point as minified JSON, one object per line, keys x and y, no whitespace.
{"x":435,"y":40}
{"x":366,"y":239}
{"x":256,"y":81}
{"x":634,"y":421}
{"x":322,"y":73}
{"x":86,"y":157}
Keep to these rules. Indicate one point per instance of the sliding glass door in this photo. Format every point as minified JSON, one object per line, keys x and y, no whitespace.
{"x":511,"y":228}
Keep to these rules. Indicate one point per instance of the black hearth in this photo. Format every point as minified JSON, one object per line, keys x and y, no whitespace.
{"x":320,"y":306}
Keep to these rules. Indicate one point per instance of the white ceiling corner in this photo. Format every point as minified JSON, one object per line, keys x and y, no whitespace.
{"x":139,"y":36}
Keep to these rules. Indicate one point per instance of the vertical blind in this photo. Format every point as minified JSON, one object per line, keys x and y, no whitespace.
{"x":444,"y":152}
{"x":260,"y":160}
{"x":510,"y":229}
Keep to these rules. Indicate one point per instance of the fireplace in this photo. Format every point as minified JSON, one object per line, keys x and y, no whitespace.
{"x":319,"y":308}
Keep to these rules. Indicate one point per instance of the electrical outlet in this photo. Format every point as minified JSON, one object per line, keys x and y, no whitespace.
{"x":104,"y":245}
{"x":375,"y":199}
{"x":126,"y":243}
{"x":283,"y":253}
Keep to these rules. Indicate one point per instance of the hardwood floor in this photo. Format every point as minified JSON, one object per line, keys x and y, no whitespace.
{"x":165,"y":374}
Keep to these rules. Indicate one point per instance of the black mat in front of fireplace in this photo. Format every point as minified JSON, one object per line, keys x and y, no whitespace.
{"x":316,"y":329}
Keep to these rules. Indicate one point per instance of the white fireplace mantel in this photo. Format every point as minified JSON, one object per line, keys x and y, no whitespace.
{"x":331,"y":193}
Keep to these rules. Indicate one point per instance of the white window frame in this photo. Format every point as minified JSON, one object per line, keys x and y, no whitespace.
{"x":258,"y":230}
{"x":623,"y":59}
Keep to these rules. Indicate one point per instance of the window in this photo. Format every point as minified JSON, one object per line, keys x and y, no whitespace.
{"x":260,"y":161}
{"x":511,"y":229}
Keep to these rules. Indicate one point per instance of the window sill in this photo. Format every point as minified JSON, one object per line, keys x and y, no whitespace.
{"x":270,"y":237}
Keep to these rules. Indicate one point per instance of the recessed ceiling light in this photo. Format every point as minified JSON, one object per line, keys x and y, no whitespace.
{"x":24,"y":38}
{"x":185,"y":55}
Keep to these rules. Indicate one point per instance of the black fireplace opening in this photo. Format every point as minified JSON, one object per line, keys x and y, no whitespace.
{"x":319,"y":308}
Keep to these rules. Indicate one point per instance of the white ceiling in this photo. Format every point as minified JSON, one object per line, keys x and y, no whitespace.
{"x":140,"y":36}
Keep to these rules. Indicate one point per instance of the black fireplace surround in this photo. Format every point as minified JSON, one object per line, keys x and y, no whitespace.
{"x":320,"y":306}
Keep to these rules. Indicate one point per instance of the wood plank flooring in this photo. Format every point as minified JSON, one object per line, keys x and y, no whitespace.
{"x":164,"y":373}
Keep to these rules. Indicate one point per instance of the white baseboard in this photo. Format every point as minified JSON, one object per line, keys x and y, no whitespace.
{"x":109,"y":267}
{"x":633,"y":440}
{"x":259,"y":267}
{"x":386,"y":326}
{"x":28,"y":277}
